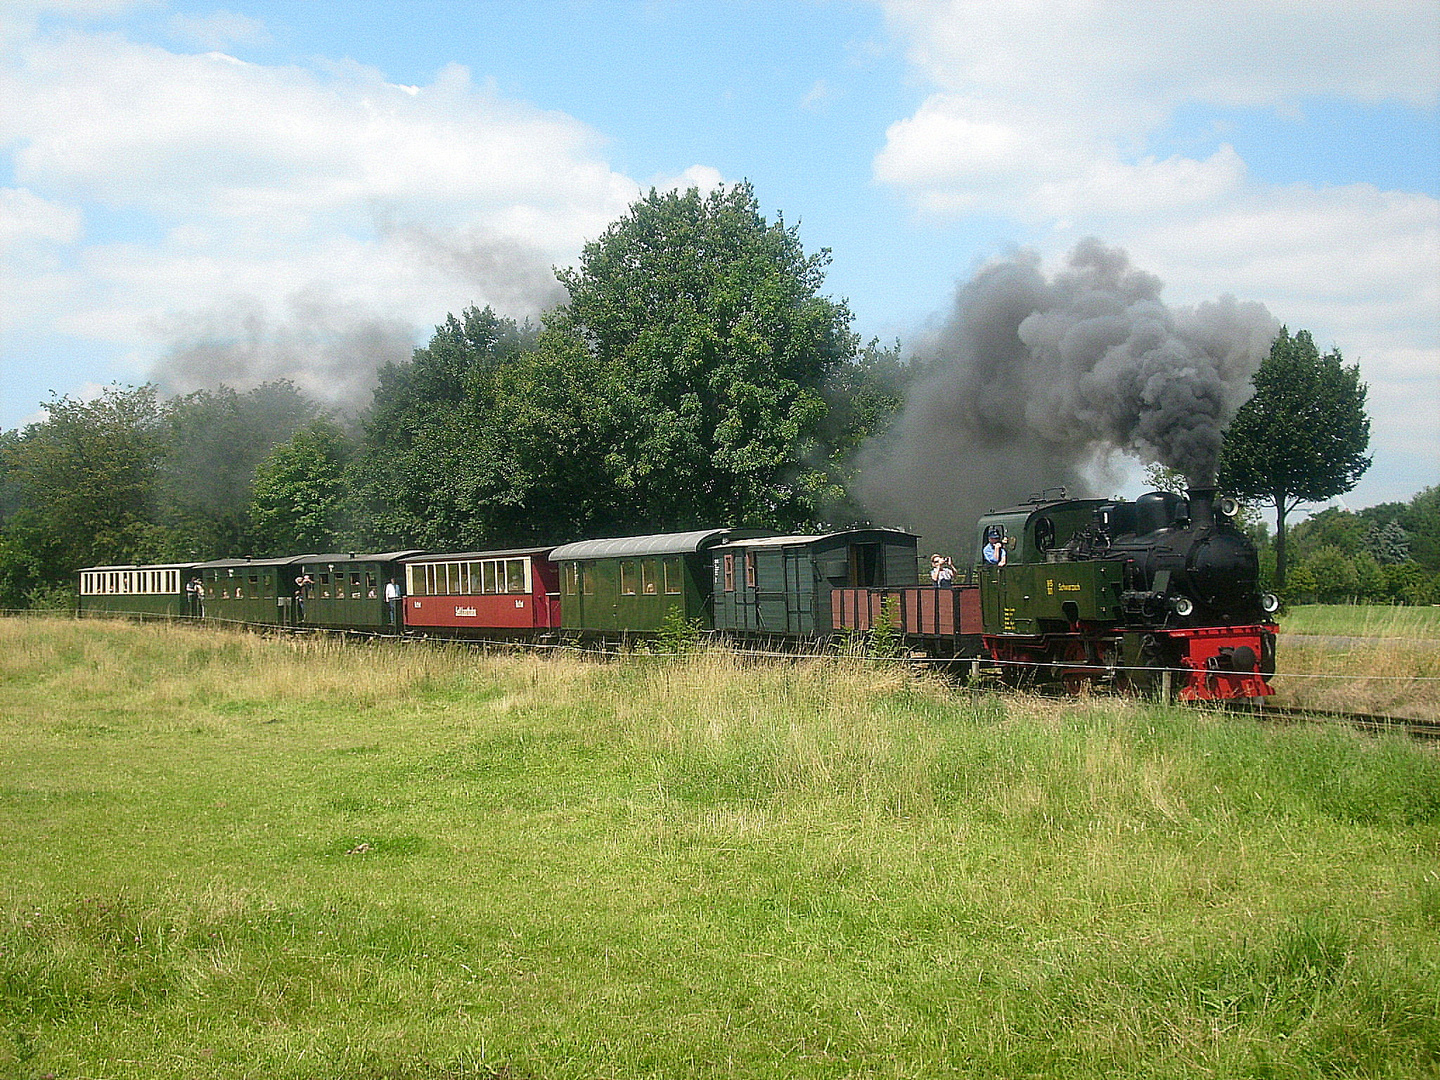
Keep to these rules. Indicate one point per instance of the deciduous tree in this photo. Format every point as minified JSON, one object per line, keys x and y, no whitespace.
{"x":715,"y":343}
{"x":300,"y":497}
{"x":217,"y":438}
{"x":1301,"y":437}
{"x":84,"y":488}
{"x":429,"y":431}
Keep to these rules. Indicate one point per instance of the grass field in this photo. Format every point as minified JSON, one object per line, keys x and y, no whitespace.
{"x":229,"y":856}
{"x":1364,"y":620}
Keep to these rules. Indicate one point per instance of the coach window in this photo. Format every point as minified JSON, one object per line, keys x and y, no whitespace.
{"x":515,"y":575}
{"x":587,"y":579}
{"x":673,"y":584}
{"x":487,"y":578}
{"x":647,"y":577}
{"x":325,"y":585}
{"x":627,"y":578}
{"x":571,"y":576}
{"x":355,"y":585}
{"x":729,"y":572}
{"x":749,"y":569}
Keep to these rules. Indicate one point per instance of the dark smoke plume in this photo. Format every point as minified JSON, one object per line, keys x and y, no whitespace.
{"x":332,"y":348}
{"x":328,"y":348}
{"x":513,"y":279}
{"x":1033,"y":382}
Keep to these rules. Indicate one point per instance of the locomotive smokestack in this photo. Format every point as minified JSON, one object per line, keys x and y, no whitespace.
{"x":1202,"y":507}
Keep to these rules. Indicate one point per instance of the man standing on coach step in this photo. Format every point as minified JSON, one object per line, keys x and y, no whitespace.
{"x":392,"y":602}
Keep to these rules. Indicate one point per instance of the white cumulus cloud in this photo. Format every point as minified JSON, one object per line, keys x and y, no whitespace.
{"x":1044,"y":114}
{"x":157,"y":186}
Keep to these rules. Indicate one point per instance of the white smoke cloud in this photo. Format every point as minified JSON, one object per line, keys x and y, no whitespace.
{"x":329,"y":348}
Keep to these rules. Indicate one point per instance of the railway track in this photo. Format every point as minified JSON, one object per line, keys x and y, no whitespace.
{"x":1420,"y":729}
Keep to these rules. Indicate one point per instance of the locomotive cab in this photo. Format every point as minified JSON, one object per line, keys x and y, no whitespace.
{"x":1035,"y":532}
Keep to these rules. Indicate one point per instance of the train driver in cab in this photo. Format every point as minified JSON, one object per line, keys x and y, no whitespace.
{"x":994,"y":549}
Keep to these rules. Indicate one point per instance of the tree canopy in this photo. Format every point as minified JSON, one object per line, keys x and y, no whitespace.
{"x":683,"y":384}
{"x":84,"y":481}
{"x":714,"y":344}
{"x":299,"y":497}
{"x":216,"y":439}
{"x":425,"y":437}
{"x":1301,"y":437}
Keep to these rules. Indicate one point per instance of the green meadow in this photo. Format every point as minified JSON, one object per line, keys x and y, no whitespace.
{"x":1365,"y":620}
{"x":226,"y":855}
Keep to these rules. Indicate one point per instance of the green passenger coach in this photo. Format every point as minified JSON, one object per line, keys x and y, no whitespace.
{"x":136,"y":590}
{"x":634,"y":583}
{"x":346,"y":591}
{"x":245,"y":590}
{"x":340,"y":590}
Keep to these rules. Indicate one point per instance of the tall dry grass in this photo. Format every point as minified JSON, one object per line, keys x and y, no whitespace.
{"x":1384,"y":676}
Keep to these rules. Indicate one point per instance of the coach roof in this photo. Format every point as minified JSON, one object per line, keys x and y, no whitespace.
{"x":625,"y":547}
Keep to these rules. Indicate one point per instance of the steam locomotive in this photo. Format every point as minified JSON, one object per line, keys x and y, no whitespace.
{"x":1158,"y":595}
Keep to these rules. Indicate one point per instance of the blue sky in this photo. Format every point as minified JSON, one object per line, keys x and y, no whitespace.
{"x":277,"y":182}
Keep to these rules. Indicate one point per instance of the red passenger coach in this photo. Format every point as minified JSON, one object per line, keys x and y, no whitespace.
{"x":482,"y":593}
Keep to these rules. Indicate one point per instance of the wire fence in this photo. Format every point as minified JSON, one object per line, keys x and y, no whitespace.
{"x":632,"y":647}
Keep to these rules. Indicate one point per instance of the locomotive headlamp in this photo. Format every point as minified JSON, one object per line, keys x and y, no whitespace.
{"x":1269,"y":603}
{"x":1183,"y":605}
{"x":1229,"y":507}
